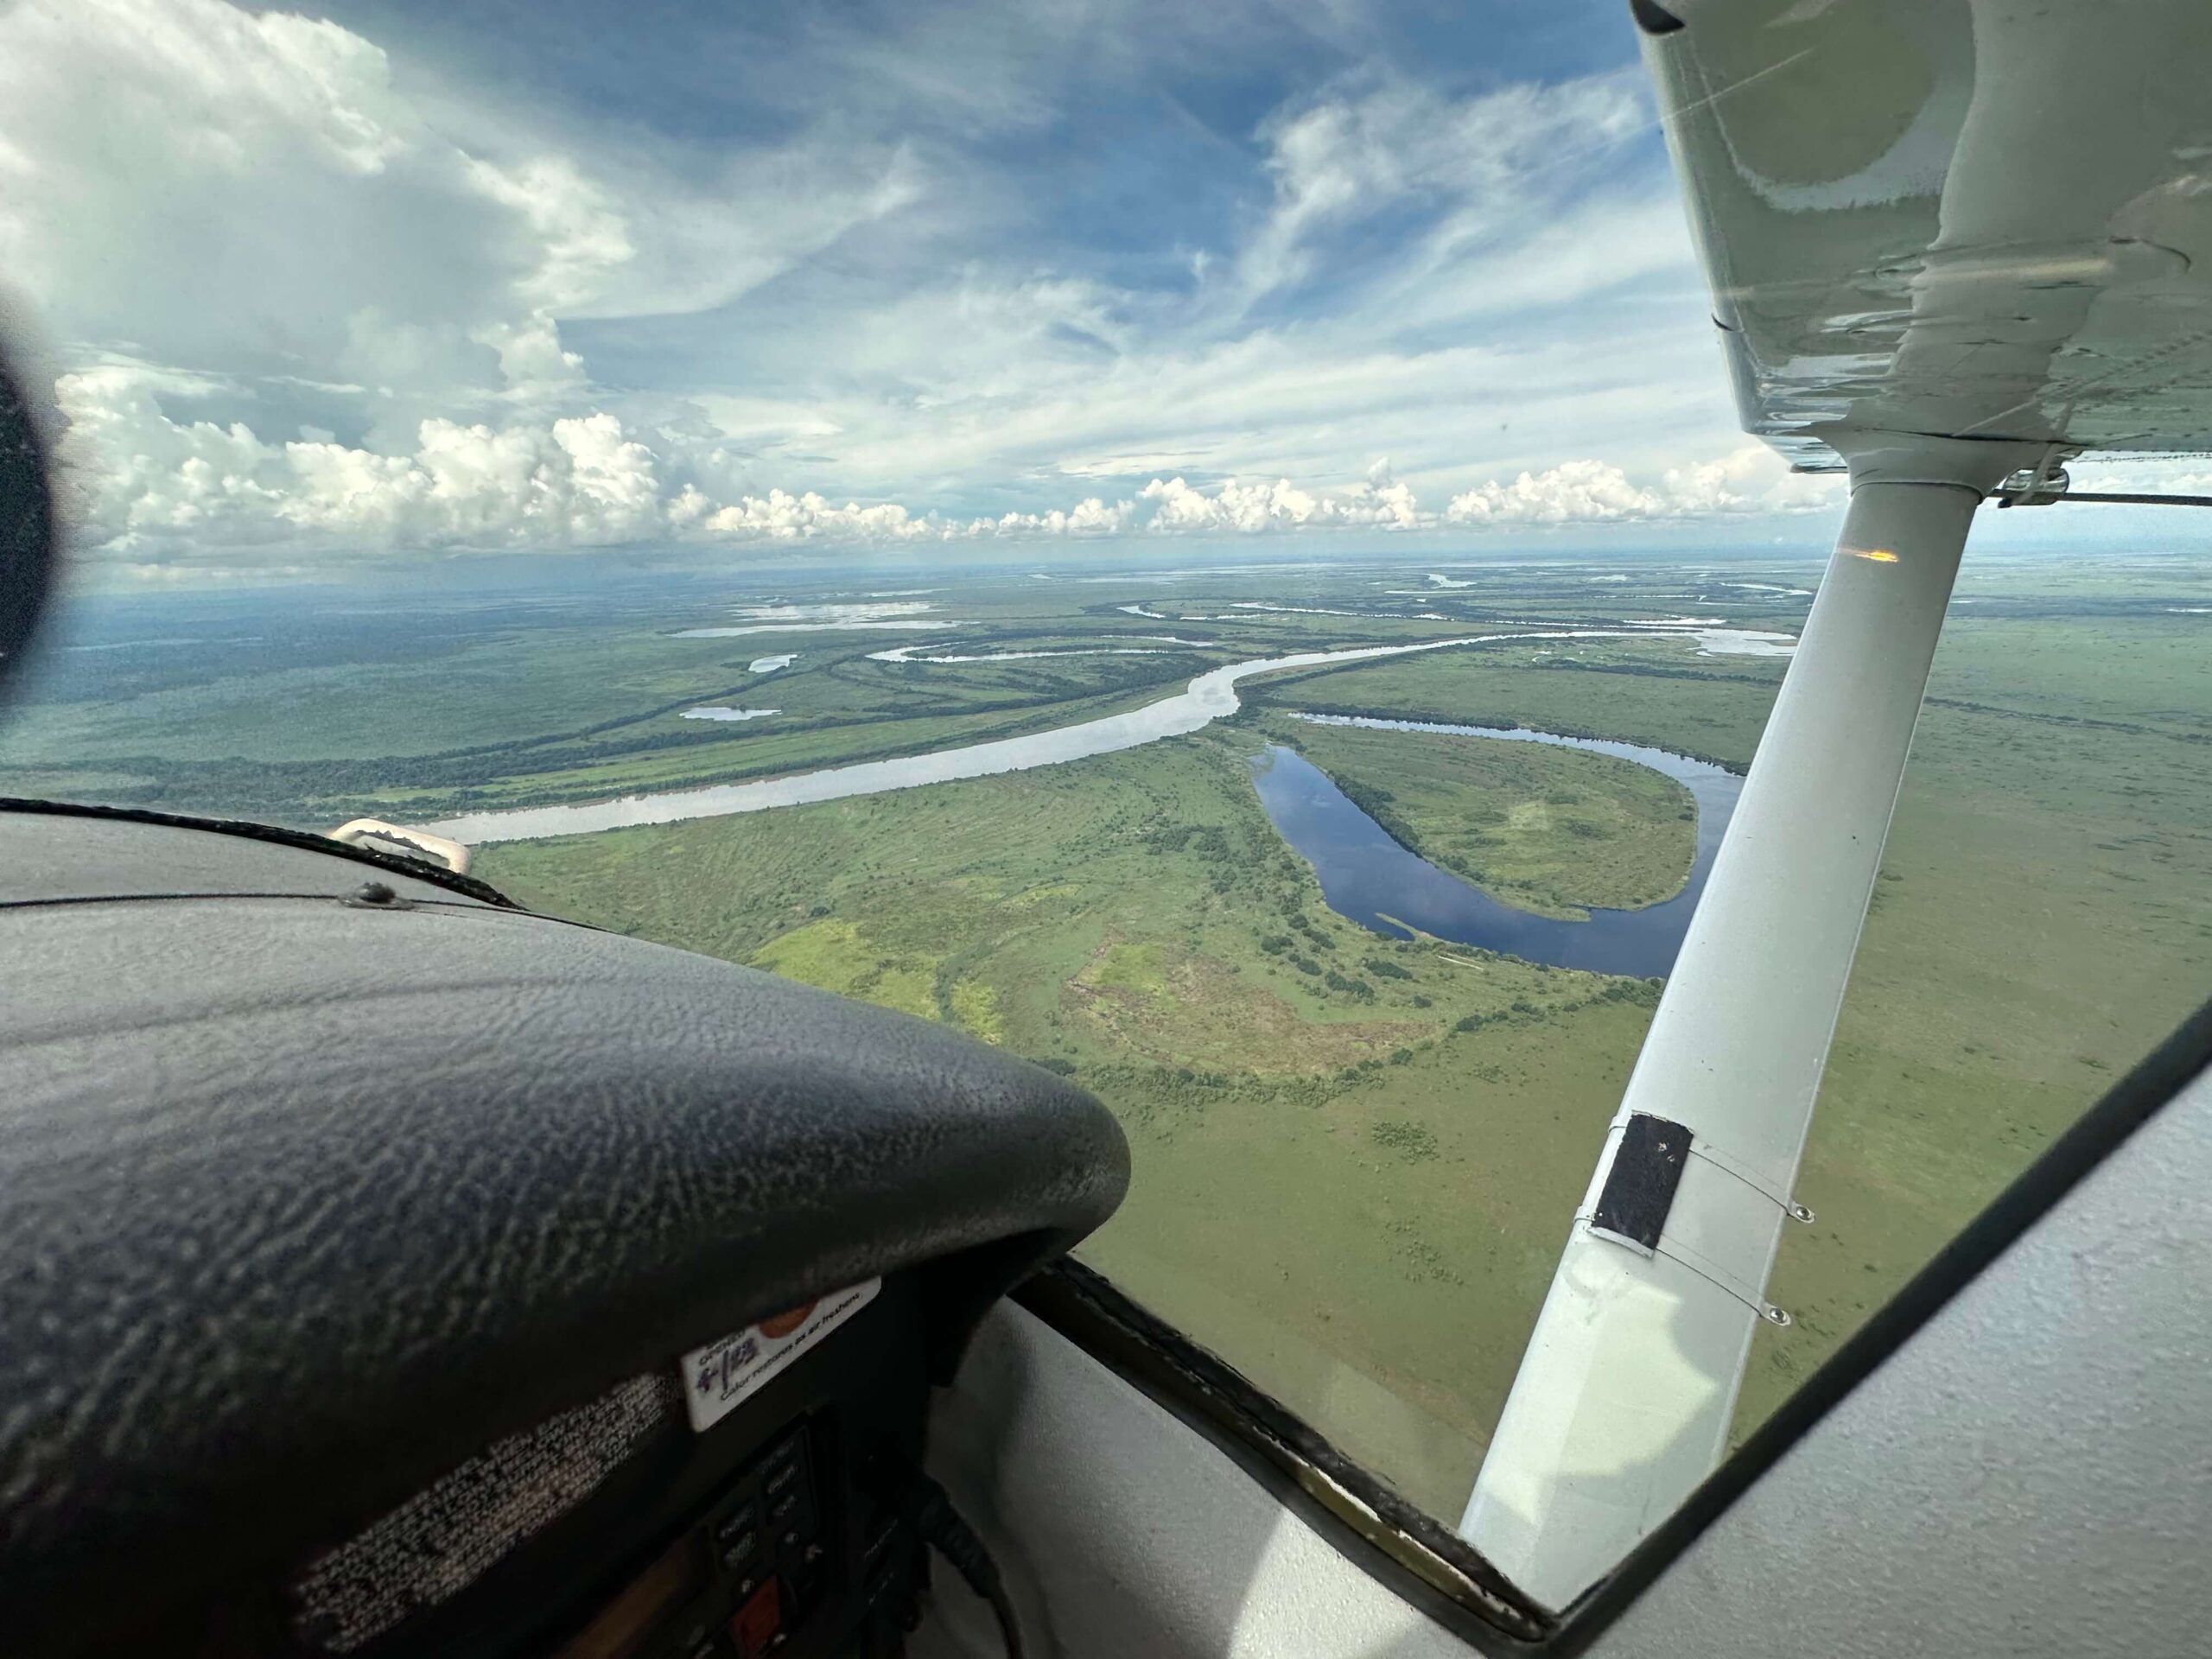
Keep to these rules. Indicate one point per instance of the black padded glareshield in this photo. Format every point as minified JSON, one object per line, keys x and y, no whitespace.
{"x":316,"y":1179}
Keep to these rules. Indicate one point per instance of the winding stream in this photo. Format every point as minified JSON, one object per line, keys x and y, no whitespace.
{"x":1367,"y":876}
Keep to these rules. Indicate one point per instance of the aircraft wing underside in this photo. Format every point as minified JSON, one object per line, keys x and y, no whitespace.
{"x":1988,"y":219}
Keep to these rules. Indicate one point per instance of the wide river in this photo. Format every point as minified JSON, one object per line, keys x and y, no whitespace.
{"x":1367,"y":876}
{"x":1364,"y":874}
{"x":1207,"y":698}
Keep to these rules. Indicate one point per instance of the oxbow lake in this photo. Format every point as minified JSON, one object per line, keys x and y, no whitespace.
{"x":1368,"y":877}
{"x":1364,"y":874}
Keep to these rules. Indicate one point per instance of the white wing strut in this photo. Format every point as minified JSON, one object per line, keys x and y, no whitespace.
{"x":1623,"y":1401}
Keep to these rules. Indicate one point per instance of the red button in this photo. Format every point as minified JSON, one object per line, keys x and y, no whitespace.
{"x":754,"y":1626}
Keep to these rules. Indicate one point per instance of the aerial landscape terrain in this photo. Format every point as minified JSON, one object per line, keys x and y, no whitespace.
{"x":1359,"y":947}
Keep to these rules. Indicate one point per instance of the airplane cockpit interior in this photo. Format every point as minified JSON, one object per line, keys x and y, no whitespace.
{"x":392,"y":1263}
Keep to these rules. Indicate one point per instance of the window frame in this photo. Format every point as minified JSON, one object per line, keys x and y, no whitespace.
{"x":1421,"y":1562}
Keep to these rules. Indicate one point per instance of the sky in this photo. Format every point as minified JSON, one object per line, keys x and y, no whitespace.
{"x":381,"y":280}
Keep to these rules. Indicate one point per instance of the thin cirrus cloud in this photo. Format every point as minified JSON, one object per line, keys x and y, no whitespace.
{"x":315,"y":289}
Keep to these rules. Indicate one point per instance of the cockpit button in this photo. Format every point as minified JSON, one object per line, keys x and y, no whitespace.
{"x":740,"y":1548}
{"x":757,"y":1626}
{"x":743,"y":1518}
{"x":788,"y":1449}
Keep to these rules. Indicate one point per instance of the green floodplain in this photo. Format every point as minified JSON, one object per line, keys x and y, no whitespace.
{"x":1356,"y":1156}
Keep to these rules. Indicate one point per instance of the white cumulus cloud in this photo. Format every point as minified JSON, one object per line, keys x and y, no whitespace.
{"x":314,"y":299}
{"x":141,"y":483}
{"x":1237,"y":508}
{"x":135,"y":479}
{"x":254,"y":195}
{"x":1752,"y":479}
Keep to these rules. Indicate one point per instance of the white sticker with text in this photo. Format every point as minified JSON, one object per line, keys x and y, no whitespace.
{"x":721,"y":1376}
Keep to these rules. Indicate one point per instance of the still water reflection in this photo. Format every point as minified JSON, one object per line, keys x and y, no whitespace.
{"x":1369,"y":877}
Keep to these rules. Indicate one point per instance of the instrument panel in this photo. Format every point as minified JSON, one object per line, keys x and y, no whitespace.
{"x":462,"y":1413}
{"x":744,"y":1579}
{"x":753,"y":1514}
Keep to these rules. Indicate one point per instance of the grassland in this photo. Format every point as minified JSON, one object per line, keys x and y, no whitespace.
{"x":311,"y":706}
{"x":2044,"y":915}
{"x":1355,"y":1192}
{"x":308,"y":708}
{"x":1355,"y":1157}
{"x":398,"y":743}
{"x":1657,"y":693}
{"x":1546,"y":829}
{"x":2043,"y":918}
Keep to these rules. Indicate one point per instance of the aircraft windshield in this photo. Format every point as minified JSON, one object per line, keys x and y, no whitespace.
{"x":1206,"y":546}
